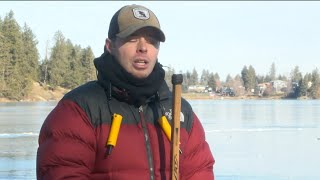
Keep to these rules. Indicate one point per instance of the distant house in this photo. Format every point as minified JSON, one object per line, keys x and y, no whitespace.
{"x":197,"y":88}
{"x":262,"y":87}
{"x":278,"y":85}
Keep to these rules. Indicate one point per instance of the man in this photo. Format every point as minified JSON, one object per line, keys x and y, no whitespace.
{"x":73,"y":141}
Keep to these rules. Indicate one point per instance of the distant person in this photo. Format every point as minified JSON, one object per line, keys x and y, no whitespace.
{"x":73,"y":141}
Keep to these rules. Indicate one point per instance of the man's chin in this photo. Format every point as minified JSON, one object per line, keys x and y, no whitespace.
{"x":140,"y":75}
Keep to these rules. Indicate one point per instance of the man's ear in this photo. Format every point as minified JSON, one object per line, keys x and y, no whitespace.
{"x":108,"y":45}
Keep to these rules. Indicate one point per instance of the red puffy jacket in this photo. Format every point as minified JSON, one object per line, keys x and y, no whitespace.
{"x":73,"y":136}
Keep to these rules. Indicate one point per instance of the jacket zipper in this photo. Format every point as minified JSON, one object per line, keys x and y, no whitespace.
{"x":147,"y":141}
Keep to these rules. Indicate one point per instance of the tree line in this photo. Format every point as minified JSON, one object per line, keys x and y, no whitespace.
{"x":67,"y":66}
{"x":247,"y":82}
{"x":70,"y":65}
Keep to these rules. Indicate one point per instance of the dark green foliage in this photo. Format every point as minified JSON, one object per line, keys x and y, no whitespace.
{"x":89,"y":71}
{"x":315,"y":87}
{"x":249,"y":79}
{"x":296,"y":79}
{"x":262,"y":79}
{"x":69,"y":65}
{"x":18,"y":59}
{"x":3,"y":56}
{"x":245,"y":77}
{"x":296,"y":75}
{"x":58,"y":65}
{"x":194,"y":77}
{"x":282,"y":77}
{"x":204,"y":77}
{"x":303,"y":87}
{"x":252,"y":77}
{"x":30,"y":54}
{"x":229,"y":79}
{"x":212,"y":82}
{"x":272,"y":72}
{"x":186,"y":81}
{"x":267,"y":78}
{"x":73,"y":73}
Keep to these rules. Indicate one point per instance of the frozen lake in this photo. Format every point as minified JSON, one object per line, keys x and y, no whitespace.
{"x":250,"y":139}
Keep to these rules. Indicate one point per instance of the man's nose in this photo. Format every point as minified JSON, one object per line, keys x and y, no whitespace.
{"x":142,"y":45}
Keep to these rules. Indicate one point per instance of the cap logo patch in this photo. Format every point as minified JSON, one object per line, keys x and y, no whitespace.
{"x":142,"y":14}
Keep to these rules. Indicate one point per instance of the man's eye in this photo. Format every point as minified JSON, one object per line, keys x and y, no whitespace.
{"x":152,"y":41}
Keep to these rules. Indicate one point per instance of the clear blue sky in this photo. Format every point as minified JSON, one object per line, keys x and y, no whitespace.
{"x":219,"y":36}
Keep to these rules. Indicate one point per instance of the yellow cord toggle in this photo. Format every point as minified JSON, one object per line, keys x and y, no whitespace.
{"x":165,"y":126}
{"x":114,"y":132}
{"x":163,"y":121}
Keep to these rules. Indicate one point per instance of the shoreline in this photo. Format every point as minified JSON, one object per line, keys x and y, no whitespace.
{"x":186,"y":96}
{"x":42,"y":93}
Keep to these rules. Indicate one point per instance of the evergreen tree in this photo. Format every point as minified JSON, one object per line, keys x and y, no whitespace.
{"x":296,"y":75}
{"x":238,"y":85}
{"x":272,"y":72}
{"x":204,"y":77}
{"x":74,"y":74}
{"x":315,"y":87}
{"x":282,"y":77}
{"x":229,"y":80}
{"x":188,"y":78}
{"x":30,"y":54}
{"x":252,"y":77}
{"x":308,"y":77}
{"x":89,"y":71}
{"x":248,"y":76}
{"x":296,"y":78}
{"x":212,"y":82}
{"x":3,"y":55}
{"x":261,"y":79}
{"x":217,"y":79}
{"x":245,"y":78}
{"x":44,"y":66}
{"x":69,"y":65}
{"x":267,"y":78}
{"x":303,"y":87}
{"x":58,"y":66}
{"x":194,"y":77}
{"x":15,"y":84}
{"x":308,"y":80}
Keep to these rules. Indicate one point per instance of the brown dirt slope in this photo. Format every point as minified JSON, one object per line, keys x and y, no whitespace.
{"x":42,"y":93}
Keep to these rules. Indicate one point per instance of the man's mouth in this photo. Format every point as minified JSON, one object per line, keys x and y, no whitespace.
{"x":140,"y":64}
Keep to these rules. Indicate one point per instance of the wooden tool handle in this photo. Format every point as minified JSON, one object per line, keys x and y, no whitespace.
{"x":175,"y":133}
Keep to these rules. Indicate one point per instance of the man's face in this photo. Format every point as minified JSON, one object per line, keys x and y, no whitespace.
{"x":138,"y":53}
